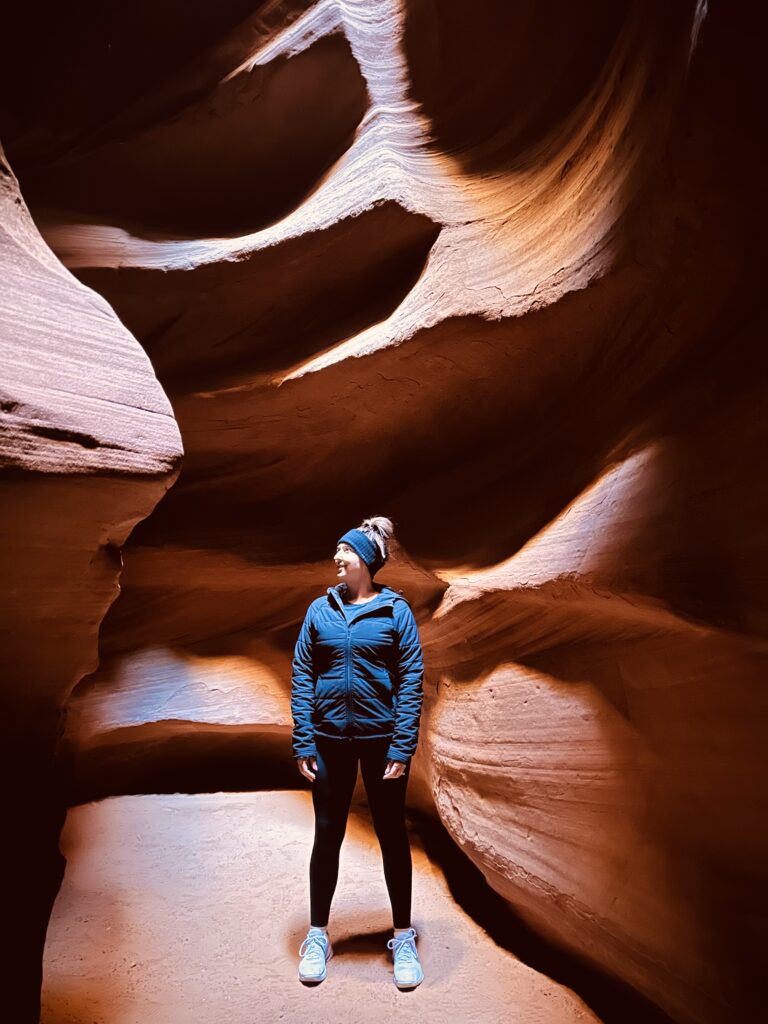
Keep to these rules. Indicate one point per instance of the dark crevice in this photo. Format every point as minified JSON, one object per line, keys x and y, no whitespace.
{"x":177,"y":757}
{"x":66,"y":69}
{"x":72,"y":437}
{"x":459,"y":83}
{"x":240,"y":158}
{"x":549,"y":56}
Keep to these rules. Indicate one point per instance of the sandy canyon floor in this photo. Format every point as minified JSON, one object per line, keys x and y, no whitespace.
{"x":192,"y":908}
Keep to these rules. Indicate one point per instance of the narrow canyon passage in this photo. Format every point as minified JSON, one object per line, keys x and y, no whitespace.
{"x":493,"y":270}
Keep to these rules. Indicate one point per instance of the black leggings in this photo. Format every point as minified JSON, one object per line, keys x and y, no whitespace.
{"x":331,"y":796}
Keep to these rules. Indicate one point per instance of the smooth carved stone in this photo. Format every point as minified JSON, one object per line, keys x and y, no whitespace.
{"x":499,"y":279}
{"x":610,"y":828}
{"x":78,"y":392}
{"x":88,"y":446}
{"x":599,"y":755}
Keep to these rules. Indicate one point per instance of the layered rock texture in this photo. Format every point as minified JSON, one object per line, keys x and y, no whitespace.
{"x":491,"y":272}
{"x":88,"y":446}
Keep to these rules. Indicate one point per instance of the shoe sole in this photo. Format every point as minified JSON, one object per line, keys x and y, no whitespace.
{"x":313,"y":981}
{"x":409,"y":984}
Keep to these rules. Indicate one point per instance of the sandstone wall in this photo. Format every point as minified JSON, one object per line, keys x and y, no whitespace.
{"x":88,"y":446}
{"x":493,"y":274}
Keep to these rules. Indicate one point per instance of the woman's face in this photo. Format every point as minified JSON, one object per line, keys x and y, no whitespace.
{"x":349,"y":566}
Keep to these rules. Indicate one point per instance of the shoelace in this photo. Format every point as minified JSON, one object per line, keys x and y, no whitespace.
{"x":404,"y":948}
{"x":313,"y":948}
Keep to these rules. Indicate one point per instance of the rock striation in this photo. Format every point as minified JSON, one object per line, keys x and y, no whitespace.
{"x":492,"y":273}
{"x":88,"y":446}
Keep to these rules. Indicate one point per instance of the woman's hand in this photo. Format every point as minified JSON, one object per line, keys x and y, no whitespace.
{"x":307,"y":766}
{"x":394,"y":770}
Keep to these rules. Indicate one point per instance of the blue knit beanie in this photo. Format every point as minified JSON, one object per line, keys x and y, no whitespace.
{"x":367,"y":549}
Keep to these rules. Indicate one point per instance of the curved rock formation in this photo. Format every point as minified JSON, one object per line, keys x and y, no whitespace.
{"x":88,"y":446}
{"x":601,"y":757}
{"x":497,"y":280}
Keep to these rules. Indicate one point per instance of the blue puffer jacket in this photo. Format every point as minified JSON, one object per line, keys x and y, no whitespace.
{"x":358,"y":677}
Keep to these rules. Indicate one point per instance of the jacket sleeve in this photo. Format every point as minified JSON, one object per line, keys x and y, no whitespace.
{"x":410,"y":693}
{"x":303,"y":691}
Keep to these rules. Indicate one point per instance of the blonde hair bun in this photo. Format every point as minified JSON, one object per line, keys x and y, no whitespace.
{"x":380,"y":529}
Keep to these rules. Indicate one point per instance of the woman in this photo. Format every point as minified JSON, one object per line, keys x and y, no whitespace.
{"x":356,"y":696}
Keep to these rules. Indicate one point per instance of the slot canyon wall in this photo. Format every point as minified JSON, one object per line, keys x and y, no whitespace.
{"x":88,"y":446}
{"x":489,"y":269}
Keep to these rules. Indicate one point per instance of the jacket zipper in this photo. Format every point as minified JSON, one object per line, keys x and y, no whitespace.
{"x":349,"y":685}
{"x":348,"y":624}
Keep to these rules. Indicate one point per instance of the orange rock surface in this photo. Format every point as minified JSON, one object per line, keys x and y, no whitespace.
{"x":491,"y":272}
{"x":88,"y":446}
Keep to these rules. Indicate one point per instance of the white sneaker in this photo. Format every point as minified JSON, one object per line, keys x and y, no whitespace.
{"x":408,"y":972}
{"x":315,"y":951}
